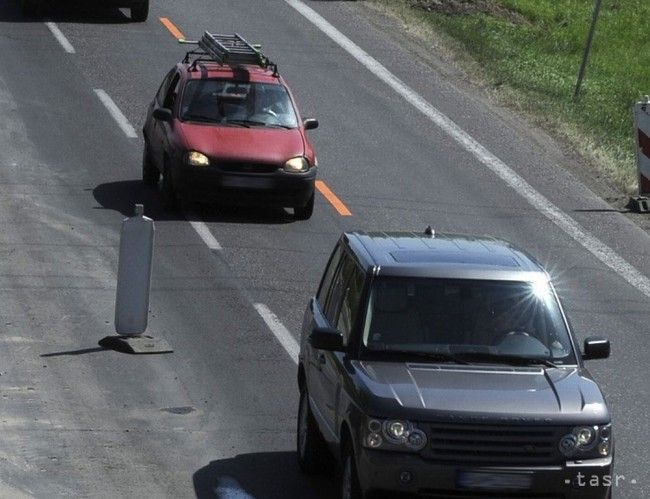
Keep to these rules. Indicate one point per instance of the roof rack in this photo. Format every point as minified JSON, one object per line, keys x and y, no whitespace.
{"x":227,"y":49}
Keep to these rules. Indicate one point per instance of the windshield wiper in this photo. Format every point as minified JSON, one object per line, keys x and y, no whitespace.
{"x":507,"y":359}
{"x":243,"y":123}
{"x":198,"y":117}
{"x":246,"y":123}
{"x":258,"y":123}
{"x":439,"y":356}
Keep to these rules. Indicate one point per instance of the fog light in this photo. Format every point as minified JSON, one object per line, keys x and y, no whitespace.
{"x":374,"y":440}
{"x":374,"y":426}
{"x":606,"y":432}
{"x":604,"y":448}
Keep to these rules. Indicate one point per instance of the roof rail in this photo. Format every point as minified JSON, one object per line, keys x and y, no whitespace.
{"x":228,"y":49}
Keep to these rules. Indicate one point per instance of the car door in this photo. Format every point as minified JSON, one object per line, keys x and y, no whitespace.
{"x":151,"y":128}
{"x":164,"y":130}
{"x":315,"y":317}
{"x":341,"y":313}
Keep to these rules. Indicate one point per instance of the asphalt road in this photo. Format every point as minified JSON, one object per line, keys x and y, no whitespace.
{"x":216,"y":418}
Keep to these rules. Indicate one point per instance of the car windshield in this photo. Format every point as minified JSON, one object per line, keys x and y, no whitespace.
{"x":226,"y":102}
{"x":473,"y":320}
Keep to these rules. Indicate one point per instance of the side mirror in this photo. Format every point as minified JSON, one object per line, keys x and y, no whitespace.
{"x":326,"y":338}
{"x":596,"y":348}
{"x":162,"y":114}
{"x":310,"y":123}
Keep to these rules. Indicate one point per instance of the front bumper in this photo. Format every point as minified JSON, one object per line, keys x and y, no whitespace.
{"x":385,"y":471}
{"x":212,"y":185}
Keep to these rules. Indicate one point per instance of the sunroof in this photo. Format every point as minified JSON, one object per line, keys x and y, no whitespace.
{"x":454,"y":257}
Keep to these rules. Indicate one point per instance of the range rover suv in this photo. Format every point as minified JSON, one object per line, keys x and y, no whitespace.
{"x":443,"y":365}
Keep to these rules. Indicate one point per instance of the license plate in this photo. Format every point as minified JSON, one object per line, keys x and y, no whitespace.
{"x":483,"y":480}
{"x":247,"y":182}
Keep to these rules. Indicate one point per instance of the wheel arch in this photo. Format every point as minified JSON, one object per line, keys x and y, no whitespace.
{"x":345,"y":437}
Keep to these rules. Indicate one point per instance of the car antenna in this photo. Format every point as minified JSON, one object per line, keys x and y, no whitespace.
{"x":429,"y":231}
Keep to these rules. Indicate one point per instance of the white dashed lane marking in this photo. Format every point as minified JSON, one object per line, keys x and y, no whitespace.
{"x":283,"y":335}
{"x":117,"y":115}
{"x":60,"y":37}
{"x":204,"y":233}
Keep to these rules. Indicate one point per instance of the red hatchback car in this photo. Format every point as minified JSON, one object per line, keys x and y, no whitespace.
{"x":224,"y":127}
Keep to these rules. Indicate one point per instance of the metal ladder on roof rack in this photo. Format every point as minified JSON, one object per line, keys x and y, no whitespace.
{"x":231,"y":49}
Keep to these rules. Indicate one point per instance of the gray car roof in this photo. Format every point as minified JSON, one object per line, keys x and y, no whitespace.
{"x":443,"y":255}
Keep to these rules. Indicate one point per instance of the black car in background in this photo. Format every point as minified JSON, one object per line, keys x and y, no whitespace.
{"x":444,"y":365}
{"x":139,"y":8}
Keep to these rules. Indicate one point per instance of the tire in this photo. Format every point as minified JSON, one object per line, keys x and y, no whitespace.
{"x":350,"y":486}
{"x":304,"y":212}
{"x":309,"y":442}
{"x":170,"y":201}
{"x":150,"y":174}
{"x":140,"y":11}
{"x":31,"y":8}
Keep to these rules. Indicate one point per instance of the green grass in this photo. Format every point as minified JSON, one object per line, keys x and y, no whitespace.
{"x":538,"y":56}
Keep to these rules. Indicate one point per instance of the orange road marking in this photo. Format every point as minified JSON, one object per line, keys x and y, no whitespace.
{"x":176,"y":33}
{"x":333,"y":199}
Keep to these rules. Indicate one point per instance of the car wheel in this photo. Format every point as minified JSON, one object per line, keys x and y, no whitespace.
{"x":350,"y":486}
{"x":170,"y":201}
{"x":31,"y":8}
{"x":140,"y":12}
{"x":304,"y":212}
{"x":310,"y":444}
{"x":150,"y":174}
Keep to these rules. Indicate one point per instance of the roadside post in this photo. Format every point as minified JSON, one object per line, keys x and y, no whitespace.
{"x":133,"y":288}
{"x":641,"y":203}
{"x":587,"y":51}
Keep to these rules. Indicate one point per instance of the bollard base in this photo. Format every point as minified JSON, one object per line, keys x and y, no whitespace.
{"x":141,"y":344}
{"x":639,"y":204}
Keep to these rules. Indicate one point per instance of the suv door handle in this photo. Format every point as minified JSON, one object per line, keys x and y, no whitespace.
{"x":321,"y":360}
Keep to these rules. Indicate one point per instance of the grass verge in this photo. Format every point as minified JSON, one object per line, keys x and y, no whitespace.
{"x":530,"y":50}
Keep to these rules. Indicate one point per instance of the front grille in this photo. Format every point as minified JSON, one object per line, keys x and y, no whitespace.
{"x":494,"y":445}
{"x":247,"y":167}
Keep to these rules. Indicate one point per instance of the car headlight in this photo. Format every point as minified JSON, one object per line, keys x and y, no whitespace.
{"x":296,"y":165}
{"x":587,"y":441}
{"x":392,"y":434}
{"x":396,"y":431}
{"x":585,"y":436}
{"x":195,"y":158}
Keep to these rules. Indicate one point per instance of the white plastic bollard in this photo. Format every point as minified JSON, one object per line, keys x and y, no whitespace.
{"x":134,"y":274}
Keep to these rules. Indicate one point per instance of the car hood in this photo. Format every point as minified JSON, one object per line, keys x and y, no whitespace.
{"x":230,"y":143}
{"x":469,"y":393}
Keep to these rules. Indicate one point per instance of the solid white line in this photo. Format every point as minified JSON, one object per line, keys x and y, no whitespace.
{"x":117,"y":115}
{"x":597,"y":248}
{"x":281,"y":333}
{"x":67,"y":46}
{"x":205,"y":234}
